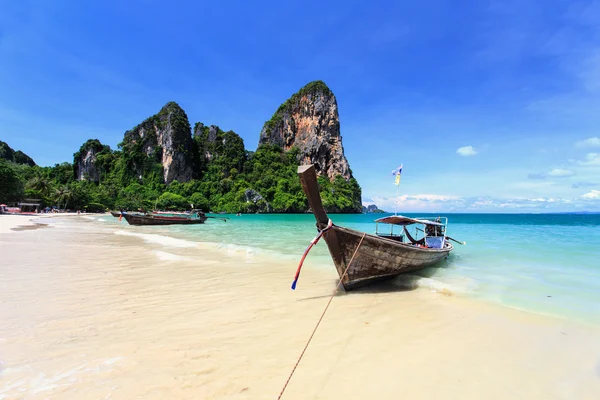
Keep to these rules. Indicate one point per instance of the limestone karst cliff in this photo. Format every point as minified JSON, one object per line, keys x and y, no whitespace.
{"x":309,"y":120}
{"x":164,"y":138}
{"x":85,"y":161}
{"x":212,"y":144}
{"x":211,"y":168}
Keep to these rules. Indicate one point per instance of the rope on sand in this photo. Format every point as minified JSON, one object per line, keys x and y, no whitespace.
{"x":321,"y":318}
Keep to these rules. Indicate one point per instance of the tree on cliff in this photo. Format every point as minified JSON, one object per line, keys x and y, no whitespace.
{"x":11,"y":187}
{"x":18,"y":157}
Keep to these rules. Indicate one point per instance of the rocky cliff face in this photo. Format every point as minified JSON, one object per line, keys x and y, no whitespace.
{"x":165,"y":138}
{"x":215,"y":145}
{"x":85,"y":161}
{"x":309,"y":120}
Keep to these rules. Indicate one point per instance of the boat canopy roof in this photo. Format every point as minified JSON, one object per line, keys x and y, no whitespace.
{"x":401,"y":220}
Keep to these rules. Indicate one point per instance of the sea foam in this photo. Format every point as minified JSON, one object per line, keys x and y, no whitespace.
{"x":159,"y":239}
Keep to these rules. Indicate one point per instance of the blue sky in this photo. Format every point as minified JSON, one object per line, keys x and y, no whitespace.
{"x":518,"y":82}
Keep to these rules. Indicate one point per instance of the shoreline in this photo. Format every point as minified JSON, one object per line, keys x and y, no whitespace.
{"x":108,"y":315}
{"x":14,"y":223}
{"x":8,"y":222}
{"x":428,"y":279}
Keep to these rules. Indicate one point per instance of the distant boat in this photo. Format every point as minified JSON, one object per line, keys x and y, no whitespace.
{"x":166,"y":218}
{"x":117,"y":214}
{"x":380,"y":256}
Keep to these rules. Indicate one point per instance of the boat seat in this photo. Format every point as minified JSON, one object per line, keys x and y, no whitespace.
{"x":435,"y":242}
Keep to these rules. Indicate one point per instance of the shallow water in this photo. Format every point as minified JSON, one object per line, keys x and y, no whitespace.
{"x":544,"y":263}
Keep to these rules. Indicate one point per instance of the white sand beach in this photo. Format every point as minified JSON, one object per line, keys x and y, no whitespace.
{"x":90,"y":314}
{"x":10,"y":222}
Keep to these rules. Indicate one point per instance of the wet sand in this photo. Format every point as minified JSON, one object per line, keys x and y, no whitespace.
{"x":89,"y":314}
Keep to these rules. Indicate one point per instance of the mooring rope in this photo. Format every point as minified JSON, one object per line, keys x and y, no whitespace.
{"x":321,"y":318}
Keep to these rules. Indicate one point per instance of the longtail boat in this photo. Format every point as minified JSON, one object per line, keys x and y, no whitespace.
{"x":118,"y":214}
{"x":361,"y":258}
{"x":166,"y":218}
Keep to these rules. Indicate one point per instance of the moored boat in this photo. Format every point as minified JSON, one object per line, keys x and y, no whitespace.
{"x":167,"y":218}
{"x":361,"y":258}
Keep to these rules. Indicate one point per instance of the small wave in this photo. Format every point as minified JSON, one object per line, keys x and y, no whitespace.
{"x":159,"y":239}
{"x":250,"y":252}
{"x":92,"y":218}
{"x":435,"y":285}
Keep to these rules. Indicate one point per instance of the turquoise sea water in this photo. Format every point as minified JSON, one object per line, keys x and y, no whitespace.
{"x":544,"y":263}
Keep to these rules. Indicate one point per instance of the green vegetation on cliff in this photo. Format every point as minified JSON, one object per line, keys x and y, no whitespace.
{"x":225,"y":176}
{"x":234,"y":180}
{"x":18,"y":157}
{"x":11,"y":187}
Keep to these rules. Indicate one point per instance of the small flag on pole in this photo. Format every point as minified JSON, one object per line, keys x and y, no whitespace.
{"x":397,"y":172}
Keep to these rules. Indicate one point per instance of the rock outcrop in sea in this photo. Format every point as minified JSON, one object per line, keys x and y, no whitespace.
{"x":371,"y":208}
{"x":164,"y":138}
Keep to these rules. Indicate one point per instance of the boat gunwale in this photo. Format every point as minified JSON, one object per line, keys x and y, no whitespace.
{"x":395,"y":242}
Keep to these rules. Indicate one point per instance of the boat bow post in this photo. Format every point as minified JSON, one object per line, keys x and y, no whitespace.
{"x":310,"y":186}
{"x":308,"y":179}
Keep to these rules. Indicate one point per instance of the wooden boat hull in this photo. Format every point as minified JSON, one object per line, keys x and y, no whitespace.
{"x":377,"y":257}
{"x":115,"y":214}
{"x":156,"y":220}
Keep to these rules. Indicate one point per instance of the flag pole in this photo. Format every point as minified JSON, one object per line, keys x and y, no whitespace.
{"x":397,"y":172}
{"x":396,"y":202}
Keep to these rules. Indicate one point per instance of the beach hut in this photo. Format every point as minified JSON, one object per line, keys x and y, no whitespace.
{"x":30,"y":205}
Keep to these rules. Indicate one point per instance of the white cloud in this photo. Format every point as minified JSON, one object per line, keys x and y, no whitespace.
{"x":427,"y":197}
{"x":591,"y":159}
{"x":592,"y":195}
{"x":466,"y":151}
{"x":547,"y":200}
{"x":443,"y":203}
{"x":556,"y":172}
{"x":590,"y":142}
{"x":559,"y":172}
{"x":418,"y":202}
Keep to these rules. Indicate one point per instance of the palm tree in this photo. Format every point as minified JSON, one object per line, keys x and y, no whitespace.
{"x":63,"y":196}
{"x":39,"y":183}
